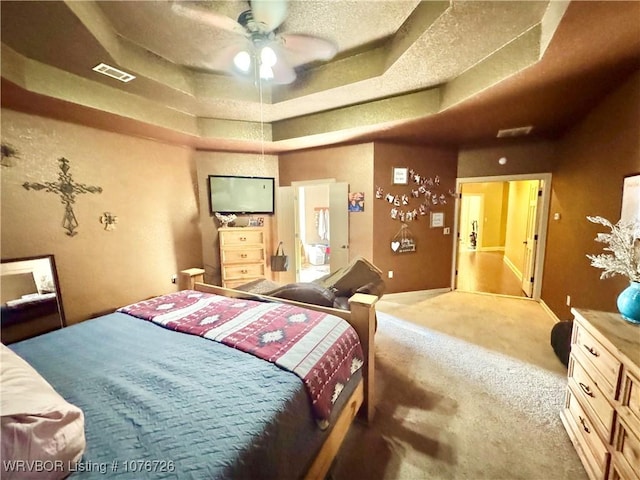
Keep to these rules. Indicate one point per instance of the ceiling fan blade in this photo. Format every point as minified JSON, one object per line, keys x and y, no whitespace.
{"x":223,"y":58}
{"x":271,"y":13}
{"x":283,"y":73}
{"x":208,"y":16}
{"x":314,"y":48}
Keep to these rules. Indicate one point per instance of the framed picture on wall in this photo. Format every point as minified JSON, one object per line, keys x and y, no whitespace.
{"x":437,"y":219}
{"x":356,"y":201}
{"x":400,"y":176}
{"x":631,"y":199}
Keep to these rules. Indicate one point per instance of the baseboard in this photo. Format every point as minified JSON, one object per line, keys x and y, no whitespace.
{"x":512,"y":267}
{"x":546,"y":308}
{"x":438,"y":290}
{"x":433,"y":291}
{"x":490,"y":249}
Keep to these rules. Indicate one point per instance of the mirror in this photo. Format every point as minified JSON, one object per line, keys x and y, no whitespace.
{"x":31,"y":302}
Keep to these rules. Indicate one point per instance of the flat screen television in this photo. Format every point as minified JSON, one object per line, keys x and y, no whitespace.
{"x":240,"y":195}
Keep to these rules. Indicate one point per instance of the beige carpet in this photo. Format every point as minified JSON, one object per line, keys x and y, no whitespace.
{"x":468,"y":387}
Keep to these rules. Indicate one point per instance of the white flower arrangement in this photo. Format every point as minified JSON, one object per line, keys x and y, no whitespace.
{"x":225,"y":220}
{"x":624,"y":245}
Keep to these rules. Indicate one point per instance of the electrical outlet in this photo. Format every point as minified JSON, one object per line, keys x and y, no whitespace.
{"x":568,"y":300}
{"x":447,"y":230}
{"x":390,"y":274}
{"x":174,"y":278}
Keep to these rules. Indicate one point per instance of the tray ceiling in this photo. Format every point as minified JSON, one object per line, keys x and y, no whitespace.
{"x":429,"y":72}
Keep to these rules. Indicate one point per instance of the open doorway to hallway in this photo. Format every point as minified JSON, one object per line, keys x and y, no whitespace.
{"x":501,"y":231}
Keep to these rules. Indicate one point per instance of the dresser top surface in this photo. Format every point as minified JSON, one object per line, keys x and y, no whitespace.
{"x":623,"y":336}
{"x":239,"y":229}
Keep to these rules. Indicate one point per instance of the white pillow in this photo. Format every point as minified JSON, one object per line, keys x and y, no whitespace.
{"x":42,"y":433}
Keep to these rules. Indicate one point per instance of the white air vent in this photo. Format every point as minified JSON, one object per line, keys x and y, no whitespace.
{"x":114,"y":72}
{"x":515,"y":132}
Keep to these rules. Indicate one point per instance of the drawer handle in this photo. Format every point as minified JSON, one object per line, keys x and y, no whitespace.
{"x":584,"y":424}
{"x":586,"y":389}
{"x":244,"y":271}
{"x":591,"y":350}
{"x":243,"y":239}
{"x":243,"y":255}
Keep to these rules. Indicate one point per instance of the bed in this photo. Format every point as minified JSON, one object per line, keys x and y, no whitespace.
{"x":162,"y":403}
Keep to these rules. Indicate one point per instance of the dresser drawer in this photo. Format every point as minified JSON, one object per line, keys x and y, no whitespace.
{"x":619,"y":470}
{"x":248,"y":271}
{"x":245,"y":255}
{"x":237,"y":283}
{"x":608,"y":390}
{"x":588,"y":393}
{"x":604,"y":362}
{"x":614,"y":471}
{"x":630,"y":398}
{"x":595,"y":454}
{"x":241,"y":237}
{"x":628,"y":445}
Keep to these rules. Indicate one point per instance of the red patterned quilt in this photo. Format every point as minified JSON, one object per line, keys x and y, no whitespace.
{"x":323,"y":350}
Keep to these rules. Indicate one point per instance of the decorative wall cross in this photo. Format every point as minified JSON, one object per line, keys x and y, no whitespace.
{"x":67,"y":189}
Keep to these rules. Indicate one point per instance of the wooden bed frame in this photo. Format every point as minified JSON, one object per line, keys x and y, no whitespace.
{"x":361,"y":316}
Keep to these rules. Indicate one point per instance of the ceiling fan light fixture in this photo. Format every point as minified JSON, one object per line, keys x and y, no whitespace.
{"x":242,"y":61}
{"x":268,"y":56}
{"x":266,"y":72}
{"x":260,"y":50}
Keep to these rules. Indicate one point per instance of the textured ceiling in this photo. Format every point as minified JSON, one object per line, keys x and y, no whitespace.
{"x":430,"y":72}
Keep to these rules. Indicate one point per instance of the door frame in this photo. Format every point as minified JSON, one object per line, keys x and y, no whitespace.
{"x":531,"y":238}
{"x":543,"y":219}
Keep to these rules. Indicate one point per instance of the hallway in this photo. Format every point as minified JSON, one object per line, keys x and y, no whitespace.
{"x":486,"y":272}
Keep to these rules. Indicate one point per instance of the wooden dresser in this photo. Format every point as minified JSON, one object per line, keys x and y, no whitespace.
{"x":602,"y":407}
{"x":242,"y":255}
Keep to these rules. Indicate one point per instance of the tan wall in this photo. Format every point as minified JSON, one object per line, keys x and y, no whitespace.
{"x":350,"y":164}
{"x":149,"y":186}
{"x":593,"y":158}
{"x":588,"y":165}
{"x":224,"y":163}
{"x":495,"y":215}
{"x":371,"y":232}
{"x":523,"y":156}
{"x":516,"y":232}
{"x":430,"y":266}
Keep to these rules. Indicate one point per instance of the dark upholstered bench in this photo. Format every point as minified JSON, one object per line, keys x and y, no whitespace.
{"x":332,"y":290}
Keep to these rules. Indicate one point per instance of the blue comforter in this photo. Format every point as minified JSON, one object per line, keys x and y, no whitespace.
{"x":192,"y":407}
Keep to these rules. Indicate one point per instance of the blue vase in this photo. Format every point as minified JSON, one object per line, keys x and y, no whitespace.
{"x":629,"y":303}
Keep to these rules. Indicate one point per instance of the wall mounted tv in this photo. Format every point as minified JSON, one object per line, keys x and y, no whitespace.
{"x":240,"y":195}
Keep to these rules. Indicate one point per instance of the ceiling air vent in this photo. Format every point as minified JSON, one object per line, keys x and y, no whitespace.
{"x":514,"y":132}
{"x":114,"y":72}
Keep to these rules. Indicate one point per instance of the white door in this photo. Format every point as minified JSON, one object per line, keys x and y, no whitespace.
{"x":531,"y":241}
{"x":338,"y":225}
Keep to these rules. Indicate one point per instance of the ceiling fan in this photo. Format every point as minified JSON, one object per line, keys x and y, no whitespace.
{"x":259,"y":48}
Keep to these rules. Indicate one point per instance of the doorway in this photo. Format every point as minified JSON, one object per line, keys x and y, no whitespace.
{"x":500,"y":234}
{"x":313,"y":224}
{"x":314,"y":232}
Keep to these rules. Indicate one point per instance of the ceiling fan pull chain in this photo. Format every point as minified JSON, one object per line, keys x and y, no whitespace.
{"x":261,"y":118}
